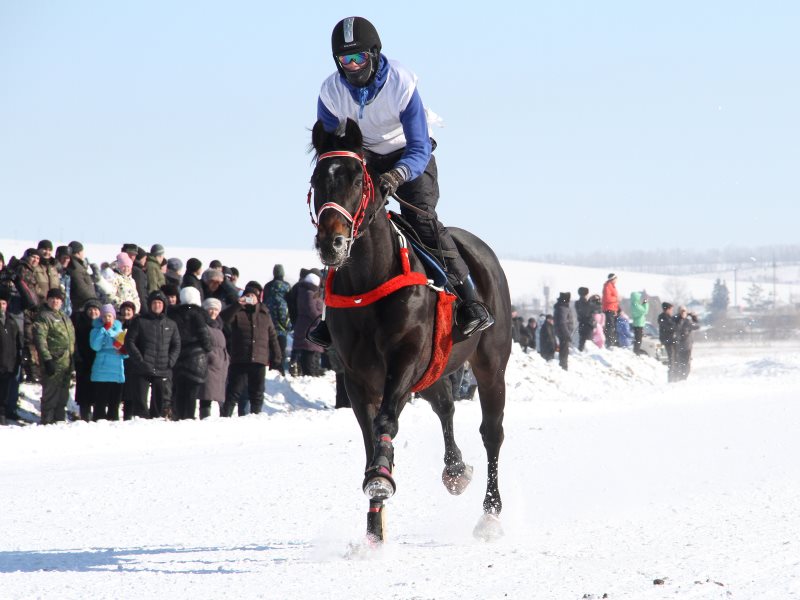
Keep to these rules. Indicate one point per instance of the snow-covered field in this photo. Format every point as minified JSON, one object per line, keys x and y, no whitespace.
{"x":615,"y":485}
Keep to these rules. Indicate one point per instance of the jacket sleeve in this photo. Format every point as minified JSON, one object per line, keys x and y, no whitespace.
{"x":131,"y":337}
{"x":274,"y":346}
{"x":229,"y":313}
{"x":99,"y":338}
{"x":203,"y":334}
{"x":174,"y":347}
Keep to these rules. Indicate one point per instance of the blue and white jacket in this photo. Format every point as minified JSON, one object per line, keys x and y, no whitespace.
{"x":389,"y":113}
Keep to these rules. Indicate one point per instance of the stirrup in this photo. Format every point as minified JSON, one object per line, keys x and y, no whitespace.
{"x":474,"y":321}
{"x":320,"y":335}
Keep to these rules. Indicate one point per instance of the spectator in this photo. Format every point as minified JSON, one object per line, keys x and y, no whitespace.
{"x":668,"y":336}
{"x":127,"y":314}
{"x":309,"y":311}
{"x":190,"y":371}
{"x":291,"y":300}
{"x":173,"y":295}
{"x":564,"y":326}
{"x":624,"y":333}
{"x":46,"y":270}
{"x":685,"y":324}
{"x":598,"y":332}
{"x":638,"y":318}
{"x":54,"y":337}
{"x":173,"y":275}
{"x":530,"y":333}
{"x":10,"y":357}
{"x":108,"y":370}
{"x":31,"y":300}
{"x":547,"y":338}
{"x":82,"y":322}
{"x":63,"y":259}
{"x":585,"y":313}
{"x":275,"y":297}
{"x":219,"y":360}
{"x":610,"y":309}
{"x":155,"y":277}
{"x":216,"y":265}
{"x":192,"y":276}
{"x":81,"y":287}
{"x":117,"y":285}
{"x":216,"y":286}
{"x":253,"y":344}
{"x":138,"y":257}
{"x":153,"y":345}
{"x":235,"y":278}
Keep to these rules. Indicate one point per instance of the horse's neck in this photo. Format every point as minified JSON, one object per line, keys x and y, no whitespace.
{"x":374,"y":257}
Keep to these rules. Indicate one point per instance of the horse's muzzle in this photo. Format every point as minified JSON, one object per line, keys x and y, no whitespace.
{"x":332,"y":249}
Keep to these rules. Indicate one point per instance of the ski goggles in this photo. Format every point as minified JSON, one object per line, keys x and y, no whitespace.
{"x":359,"y":58}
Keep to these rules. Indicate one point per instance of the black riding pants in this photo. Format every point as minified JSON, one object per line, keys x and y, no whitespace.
{"x":423,"y":193}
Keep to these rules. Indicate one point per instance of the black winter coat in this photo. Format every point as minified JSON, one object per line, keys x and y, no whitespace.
{"x":154,"y":344}
{"x":10,"y":346}
{"x":81,"y":286}
{"x":547,"y":340}
{"x":191,"y":280}
{"x":195,"y":342}
{"x":225,"y":293}
{"x":253,"y":337}
{"x":140,"y":279}
{"x":563,"y":321}
{"x":84,"y":355}
{"x":667,"y":331}
{"x":683,"y":332}
{"x":585,"y":312}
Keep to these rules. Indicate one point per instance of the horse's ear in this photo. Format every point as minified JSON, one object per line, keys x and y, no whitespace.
{"x":318,"y":136}
{"x":352,"y":135}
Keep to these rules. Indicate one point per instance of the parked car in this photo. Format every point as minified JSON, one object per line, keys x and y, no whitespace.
{"x":651,"y":344}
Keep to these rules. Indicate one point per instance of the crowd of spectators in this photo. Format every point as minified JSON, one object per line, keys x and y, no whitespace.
{"x":142,"y":334}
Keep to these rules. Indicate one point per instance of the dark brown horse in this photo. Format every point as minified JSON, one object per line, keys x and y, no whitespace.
{"x":386,"y":346}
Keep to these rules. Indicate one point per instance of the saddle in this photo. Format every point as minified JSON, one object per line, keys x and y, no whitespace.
{"x":434,"y":266}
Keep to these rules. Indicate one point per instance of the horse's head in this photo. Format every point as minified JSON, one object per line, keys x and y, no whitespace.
{"x":342,"y":190}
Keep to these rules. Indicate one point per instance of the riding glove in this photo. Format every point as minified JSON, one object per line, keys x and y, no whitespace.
{"x":390,"y":181}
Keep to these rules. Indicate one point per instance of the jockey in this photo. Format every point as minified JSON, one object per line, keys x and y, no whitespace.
{"x":381,"y":96}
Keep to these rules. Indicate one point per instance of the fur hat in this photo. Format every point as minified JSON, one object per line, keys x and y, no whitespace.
{"x":190,"y":295}
{"x":174,"y":264}
{"x":128,"y":304}
{"x":108,"y":309}
{"x":253,"y":287}
{"x":62,"y":251}
{"x":170,"y":289}
{"x":129,"y":249}
{"x":45,"y":245}
{"x":123,"y":260}
{"x":209,"y":303}
{"x":55,"y":293}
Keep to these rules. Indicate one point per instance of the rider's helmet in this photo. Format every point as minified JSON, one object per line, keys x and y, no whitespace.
{"x":356,"y":36}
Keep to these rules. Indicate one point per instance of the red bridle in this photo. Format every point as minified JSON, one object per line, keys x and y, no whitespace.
{"x":367,"y":196}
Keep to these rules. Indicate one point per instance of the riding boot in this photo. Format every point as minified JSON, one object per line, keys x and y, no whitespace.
{"x":319,"y":335}
{"x":471,"y":316}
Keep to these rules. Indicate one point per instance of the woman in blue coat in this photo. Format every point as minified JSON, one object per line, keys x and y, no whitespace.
{"x":108,"y":370}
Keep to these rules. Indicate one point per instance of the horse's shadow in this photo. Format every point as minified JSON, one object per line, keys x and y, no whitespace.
{"x":165,"y":560}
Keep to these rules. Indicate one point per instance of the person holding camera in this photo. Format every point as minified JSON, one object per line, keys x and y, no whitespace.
{"x":253,"y":343}
{"x":638,"y":318}
{"x":685,"y":323}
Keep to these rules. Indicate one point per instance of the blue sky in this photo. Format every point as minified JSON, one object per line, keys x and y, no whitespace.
{"x":569,"y":126}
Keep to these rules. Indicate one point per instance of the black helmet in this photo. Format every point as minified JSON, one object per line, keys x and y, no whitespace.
{"x":352,"y":35}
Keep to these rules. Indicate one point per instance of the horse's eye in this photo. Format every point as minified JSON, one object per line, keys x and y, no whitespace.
{"x":358,"y":181}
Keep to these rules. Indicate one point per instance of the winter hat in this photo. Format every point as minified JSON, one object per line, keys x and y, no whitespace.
{"x":170,"y":289}
{"x":174,"y":264}
{"x":190,"y":295}
{"x":253,"y":287}
{"x":5,"y":294}
{"x":156,"y":250}
{"x":123,"y":260}
{"x":582,"y":291}
{"x":127,"y":304}
{"x":55,"y":293}
{"x":75,"y":247}
{"x":193,"y":265}
{"x":212,"y":275}
{"x":278,"y":272}
{"x":611,"y":276}
{"x":130,"y":249}
{"x":312,"y":278}
{"x":141,"y":253}
{"x":209,"y":303}
{"x":226,"y":271}
{"x":91,"y":303}
{"x":30,"y":252}
{"x":565,"y":296}
{"x":108,"y":309}
{"x":62,"y":251}
{"x":45,"y":245}
{"x":156,"y":295}
{"x":316,"y":272}
{"x":666,"y":305}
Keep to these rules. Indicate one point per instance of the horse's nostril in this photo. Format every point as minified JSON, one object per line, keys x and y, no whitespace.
{"x":338,"y":241}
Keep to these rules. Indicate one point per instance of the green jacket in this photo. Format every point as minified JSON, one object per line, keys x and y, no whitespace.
{"x":54,"y":336}
{"x":155,"y":278}
{"x":638,"y":310}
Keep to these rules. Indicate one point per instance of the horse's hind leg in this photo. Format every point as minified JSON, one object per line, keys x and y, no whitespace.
{"x":456,"y":474}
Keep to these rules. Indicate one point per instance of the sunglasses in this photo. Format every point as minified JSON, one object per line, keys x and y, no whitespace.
{"x":359,"y":58}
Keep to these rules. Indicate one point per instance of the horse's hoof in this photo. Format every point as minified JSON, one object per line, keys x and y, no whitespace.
{"x":378,"y":488}
{"x":456,"y":484}
{"x":488,"y":528}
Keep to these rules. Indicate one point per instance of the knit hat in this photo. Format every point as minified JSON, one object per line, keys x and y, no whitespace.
{"x":75,"y":247}
{"x":55,"y":293}
{"x":45,"y":245}
{"x":123,"y":260}
{"x":127,"y":304}
{"x":62,"y":251}
{"x":666,"y":305}
{"x":156,"y":295}
{"x":253,"y":287}
{"x":91,"y":303}
{"x":193,"y":265}
{"x":611,"y":276}
{"x":156,"y":250}
{"x":212,"y":274}
{"x":174,"y":264}
{"x":108,"y":309}
{"x":278,"y":272}
{"x":190,"y":295}
{"x":209,"y":303}
{"x":312,"y":278}
{"x":30,"y":252}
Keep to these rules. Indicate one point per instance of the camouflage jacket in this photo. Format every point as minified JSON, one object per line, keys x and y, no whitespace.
{"x":54,"y":335}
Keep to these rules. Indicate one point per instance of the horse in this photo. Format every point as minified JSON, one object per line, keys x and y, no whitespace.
{"x":386,"y":343}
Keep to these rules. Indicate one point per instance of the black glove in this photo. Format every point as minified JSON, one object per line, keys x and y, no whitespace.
{"x":94,"y":272}
{"x":50,"y":367}
{"x":390,"y":181}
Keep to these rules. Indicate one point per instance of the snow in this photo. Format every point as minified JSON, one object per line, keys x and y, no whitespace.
{"x":611,"y":479}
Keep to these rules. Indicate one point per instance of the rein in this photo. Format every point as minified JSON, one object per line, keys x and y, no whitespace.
{"x":367,"y":196}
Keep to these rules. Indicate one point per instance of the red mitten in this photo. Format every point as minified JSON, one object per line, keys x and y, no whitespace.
{"x":107,"y":325}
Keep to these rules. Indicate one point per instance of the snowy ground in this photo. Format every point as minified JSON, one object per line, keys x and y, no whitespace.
{"x":611,"y":480}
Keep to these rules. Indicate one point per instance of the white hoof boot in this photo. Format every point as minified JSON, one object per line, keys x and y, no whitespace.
{"x":488,"y":528}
